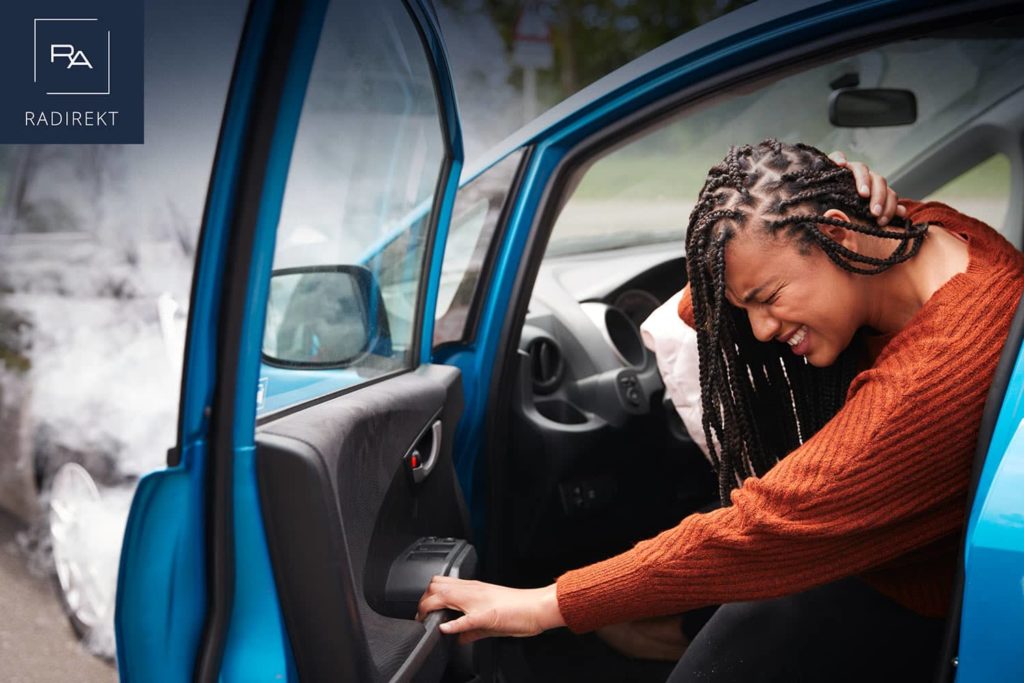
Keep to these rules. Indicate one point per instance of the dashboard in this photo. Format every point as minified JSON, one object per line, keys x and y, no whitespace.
{"x":597,"y":461}
{"x":585,"y":365}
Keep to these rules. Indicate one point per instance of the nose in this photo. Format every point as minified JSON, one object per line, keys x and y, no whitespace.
{"x":765,"y":326}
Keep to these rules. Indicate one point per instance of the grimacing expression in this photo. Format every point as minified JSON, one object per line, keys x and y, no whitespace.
{"x":792,"y":294}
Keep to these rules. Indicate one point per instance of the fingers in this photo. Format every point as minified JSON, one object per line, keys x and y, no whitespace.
{"x":443,"y":593}
{"x":437,"y":596}
{"x":461,"y":625}
{"x":473,"y":626}
{"x":441,"y":579}
{"x":882,"y":199}
{"x":861,"y":174}
{"x":879,"y":188}
{"x":862,"y":178}
{"x":490,"y":610}
{"x":431,"y":603}
{"x":446,"y":592}
{"x":889,"y":210}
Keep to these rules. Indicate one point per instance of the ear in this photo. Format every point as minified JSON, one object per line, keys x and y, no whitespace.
{"x":839,"y":234}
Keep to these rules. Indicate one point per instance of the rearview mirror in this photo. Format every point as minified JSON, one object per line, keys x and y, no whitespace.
{"x":872,"y":107}
{"x":324,"y":316}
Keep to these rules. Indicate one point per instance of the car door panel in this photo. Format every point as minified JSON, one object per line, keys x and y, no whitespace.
{"x":223,"y":555}
{"x":340,"y":505}
{"x":169,"y":562}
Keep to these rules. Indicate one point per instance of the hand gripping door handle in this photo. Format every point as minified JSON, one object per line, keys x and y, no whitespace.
{"x":422,"y":457}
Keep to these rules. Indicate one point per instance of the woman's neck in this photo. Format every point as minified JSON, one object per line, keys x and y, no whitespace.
{"x":895,"y":296}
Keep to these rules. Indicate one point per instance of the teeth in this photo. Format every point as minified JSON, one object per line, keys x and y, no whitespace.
{"x":798,"y":336}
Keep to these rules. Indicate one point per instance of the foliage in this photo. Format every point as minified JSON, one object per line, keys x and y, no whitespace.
{"x":13,"y":336}
{"x":594,"y":37}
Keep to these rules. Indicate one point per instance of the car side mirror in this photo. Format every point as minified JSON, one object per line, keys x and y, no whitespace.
{"x":872,"y":107}
{"x":324,"y":316}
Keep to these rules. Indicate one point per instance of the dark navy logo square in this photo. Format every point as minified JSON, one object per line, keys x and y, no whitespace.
{"x":84,"y":81}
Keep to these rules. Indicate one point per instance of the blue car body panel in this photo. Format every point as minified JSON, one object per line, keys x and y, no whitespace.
{"x":993,"y":607}
{"x":161,"y":588}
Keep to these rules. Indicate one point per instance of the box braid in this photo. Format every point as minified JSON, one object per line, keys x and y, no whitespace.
{"x":759,"y":400}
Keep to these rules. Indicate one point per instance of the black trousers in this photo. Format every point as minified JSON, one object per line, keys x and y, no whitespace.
{"x":842,"y":631}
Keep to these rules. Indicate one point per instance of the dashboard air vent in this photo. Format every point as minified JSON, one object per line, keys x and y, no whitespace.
{"x":546,"y":364}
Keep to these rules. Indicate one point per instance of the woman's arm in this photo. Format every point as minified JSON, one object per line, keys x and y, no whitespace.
{"x":873,"y":484}
{"x":491,"y":610}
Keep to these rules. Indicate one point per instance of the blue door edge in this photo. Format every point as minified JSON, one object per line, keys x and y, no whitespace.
{"x":166,"y":530}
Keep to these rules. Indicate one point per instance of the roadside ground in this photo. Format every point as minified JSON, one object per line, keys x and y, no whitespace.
{"x":37,"y":644}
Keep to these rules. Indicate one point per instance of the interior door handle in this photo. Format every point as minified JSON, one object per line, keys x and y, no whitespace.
{"x":424,"y":647}
{"x":422,"y":457}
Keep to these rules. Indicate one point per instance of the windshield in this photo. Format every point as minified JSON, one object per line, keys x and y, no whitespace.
{"x":643,"y":191}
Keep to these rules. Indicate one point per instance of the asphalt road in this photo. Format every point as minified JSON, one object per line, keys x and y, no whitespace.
{"x":37,"y":644}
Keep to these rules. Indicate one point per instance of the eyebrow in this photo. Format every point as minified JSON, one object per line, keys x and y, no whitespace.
{"x":752,"y":294}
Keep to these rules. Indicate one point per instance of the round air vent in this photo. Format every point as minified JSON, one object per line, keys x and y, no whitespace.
{"x":624,"y":336}
{"x":546,"y":364}
{"x":621,"y":333}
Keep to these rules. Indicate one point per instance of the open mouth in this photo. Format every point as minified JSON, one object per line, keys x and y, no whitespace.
{"x":799,"y":341}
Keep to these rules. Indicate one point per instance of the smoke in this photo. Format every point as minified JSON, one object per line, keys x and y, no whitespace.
{"x":100,"y":388}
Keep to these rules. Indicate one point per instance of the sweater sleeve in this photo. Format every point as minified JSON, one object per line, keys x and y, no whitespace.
{"x":878,"y":480}
{"x":686,"y":306}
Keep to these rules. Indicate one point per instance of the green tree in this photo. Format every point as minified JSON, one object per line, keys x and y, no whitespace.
{"x":594,"y":37}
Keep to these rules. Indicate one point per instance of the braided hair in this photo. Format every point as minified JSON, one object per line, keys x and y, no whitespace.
{"x":759,"y":401}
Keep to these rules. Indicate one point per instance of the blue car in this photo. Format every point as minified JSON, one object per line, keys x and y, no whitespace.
{"x":398,"y":367}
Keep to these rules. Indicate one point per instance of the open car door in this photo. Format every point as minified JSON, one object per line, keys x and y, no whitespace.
{"x":311,"y":494}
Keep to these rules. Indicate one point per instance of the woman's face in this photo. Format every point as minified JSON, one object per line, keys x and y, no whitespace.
{"x":802,"y":300}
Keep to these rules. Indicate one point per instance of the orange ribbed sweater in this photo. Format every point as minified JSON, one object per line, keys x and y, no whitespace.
{"x":879,"y":491}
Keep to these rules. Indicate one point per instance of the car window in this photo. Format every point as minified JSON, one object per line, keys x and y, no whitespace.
{"x":643,"y":190}
{"x":353,"y":227}
{"x":475,"y":217}
{"x":982,"y":192}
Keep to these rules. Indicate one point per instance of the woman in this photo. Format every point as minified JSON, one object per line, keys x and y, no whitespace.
{"x":844,"y":366}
